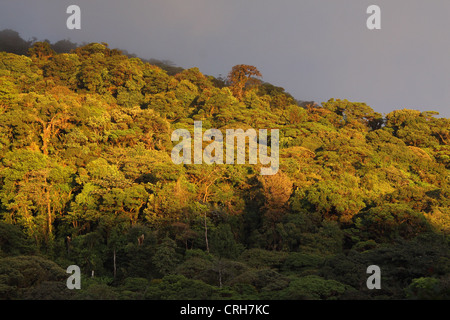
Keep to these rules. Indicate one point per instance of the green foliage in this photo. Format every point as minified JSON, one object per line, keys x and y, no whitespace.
{"x":313,"y":288}
{"x":86,"y":178}
{"x":302,"y":263}
{"x":402,"y":262}
{"x":97,"y":291}
{"x":13,"y":241}
{"x":223,"y":243}
{"x":64,"y":67}
{"x":428,"y":288}
{"x":390,"y":221}
{"x":259,"y":258}
{"x":177,"y":287}
{"x":41,"y":50}
{"x":20,"y":274}
{"x":166,"y":257}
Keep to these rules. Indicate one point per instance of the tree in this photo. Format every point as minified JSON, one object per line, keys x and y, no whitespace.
{"x":20,"y":70}
{"x":194,"y":76}
{"x":166,"y":257}
{"x":13,"y":240}
{"x":64,"y":67}
{"x":21,"y":275}
{"x":35,"y":189}
{"x":241,"y":76}
{"x":175,"y":287}
{"x":355,"y":114}
{"x":415,"y":128}
{"x":64,"y":46}
{"x":388,"y":221}
{"x":41,"y":50}
{"x":277,"y":190}
{"x":216,"y":102}
{"x":10,"y":41}
{"x":313,"y":288}
{"x":86,"y":178}
{"x":50,"y":116}
{"x":223,"y":243}
{"x":428,"y":288}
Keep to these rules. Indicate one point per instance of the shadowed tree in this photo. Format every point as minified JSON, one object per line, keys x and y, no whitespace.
{"x":10,"y":41}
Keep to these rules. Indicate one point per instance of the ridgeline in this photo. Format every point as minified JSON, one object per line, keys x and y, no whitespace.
{"x":86,"y":179}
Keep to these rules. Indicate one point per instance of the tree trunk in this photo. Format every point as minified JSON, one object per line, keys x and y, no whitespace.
{"x":45,"y":140}
{"x":114,"y":259}
{"x":206,"y":235}
{"x":49,"y":208}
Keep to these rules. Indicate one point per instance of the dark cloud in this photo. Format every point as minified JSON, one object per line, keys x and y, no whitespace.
{"x":315,"y":49}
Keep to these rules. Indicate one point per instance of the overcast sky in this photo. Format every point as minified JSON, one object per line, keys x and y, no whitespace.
{"x":315,"y":49}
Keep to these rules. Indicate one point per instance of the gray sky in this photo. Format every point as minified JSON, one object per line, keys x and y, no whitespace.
{"x":315,"y":49}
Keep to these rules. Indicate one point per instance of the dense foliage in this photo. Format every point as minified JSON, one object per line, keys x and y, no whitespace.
{"x":86,"y":178}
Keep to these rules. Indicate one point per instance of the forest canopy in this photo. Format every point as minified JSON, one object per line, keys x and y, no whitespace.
{"x":86,"y":179}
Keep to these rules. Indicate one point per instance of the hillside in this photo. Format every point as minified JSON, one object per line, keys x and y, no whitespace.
{"x":86,"y":170}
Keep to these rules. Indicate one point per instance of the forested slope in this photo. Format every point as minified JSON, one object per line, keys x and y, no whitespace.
{"x":86,"y":178}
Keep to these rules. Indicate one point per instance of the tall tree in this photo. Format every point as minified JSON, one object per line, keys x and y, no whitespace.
{"x":35,"y":189}
{"x":242,"y":75}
